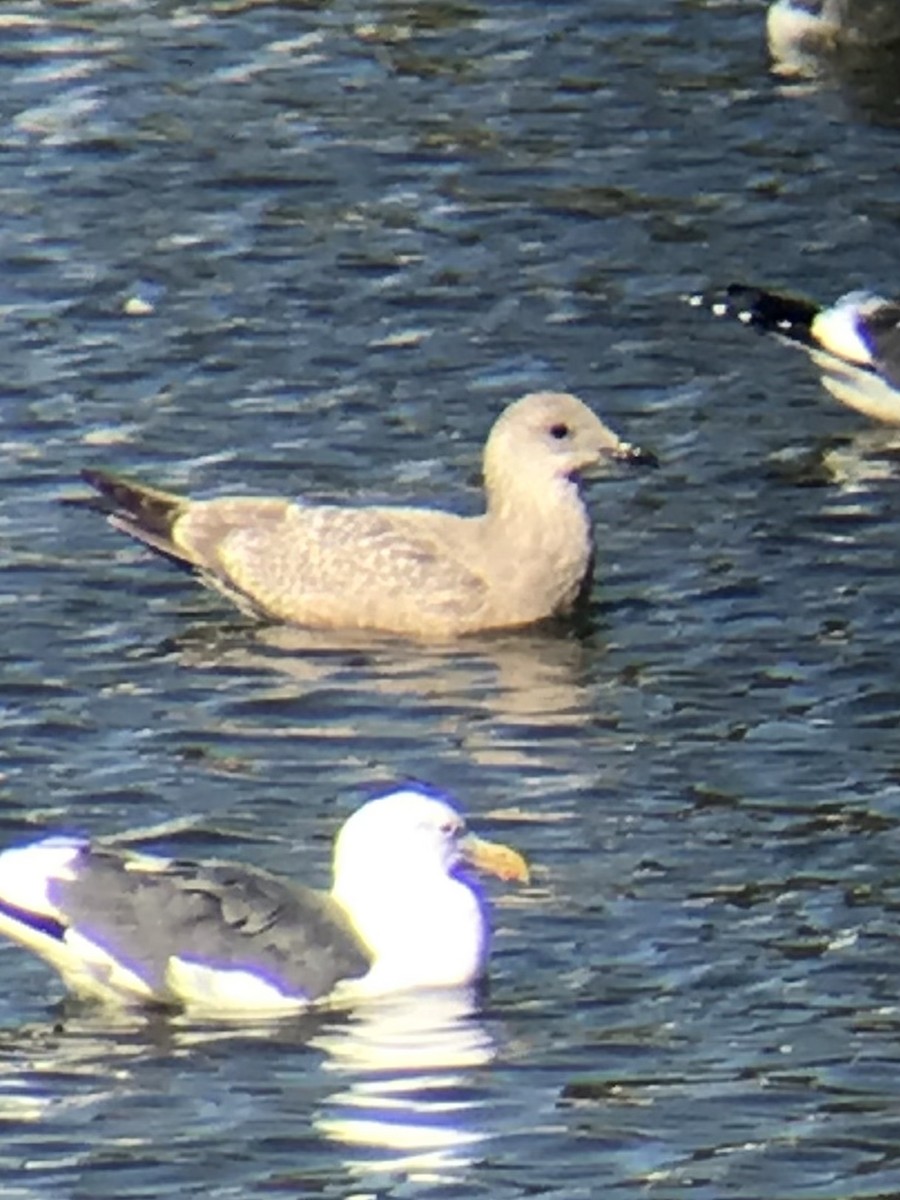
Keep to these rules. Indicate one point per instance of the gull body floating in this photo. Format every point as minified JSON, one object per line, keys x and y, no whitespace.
{"x":222,"y":938}
{"x":414,"y":571}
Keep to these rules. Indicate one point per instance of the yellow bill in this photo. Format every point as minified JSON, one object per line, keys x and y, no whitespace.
{"x":494,"y":858}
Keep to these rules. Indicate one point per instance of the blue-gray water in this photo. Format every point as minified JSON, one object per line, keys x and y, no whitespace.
{"x":361,"y":230}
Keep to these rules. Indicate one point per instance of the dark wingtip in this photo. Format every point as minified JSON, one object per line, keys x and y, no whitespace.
{"x":763,"y":310}
{"x":141,"y":511}
{"x":101,"y":481}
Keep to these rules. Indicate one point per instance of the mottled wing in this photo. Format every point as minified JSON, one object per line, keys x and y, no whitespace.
{"x":330,"y":565}
{"x":147,"y":913}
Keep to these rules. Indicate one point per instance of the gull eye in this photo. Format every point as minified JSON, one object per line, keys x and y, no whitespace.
{"x":451,"y":828}
{"x":560,"y":431}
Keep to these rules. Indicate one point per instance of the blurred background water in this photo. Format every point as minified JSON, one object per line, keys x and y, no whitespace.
{"x":315,"y":248}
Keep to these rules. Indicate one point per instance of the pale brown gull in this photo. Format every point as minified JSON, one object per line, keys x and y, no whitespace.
{"x":413,"y":571}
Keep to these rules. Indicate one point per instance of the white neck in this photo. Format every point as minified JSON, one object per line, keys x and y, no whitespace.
{"x":430,"y":934}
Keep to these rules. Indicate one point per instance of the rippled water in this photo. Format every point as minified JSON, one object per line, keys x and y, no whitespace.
{"x":315,"y":248}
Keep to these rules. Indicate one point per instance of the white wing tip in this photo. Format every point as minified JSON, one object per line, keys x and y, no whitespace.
{"x":25,"y":872}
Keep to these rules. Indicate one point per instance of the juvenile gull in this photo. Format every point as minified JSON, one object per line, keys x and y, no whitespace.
{"x":414,"y":571}
{"x":854,"y":342}
{"x":225,"y":938}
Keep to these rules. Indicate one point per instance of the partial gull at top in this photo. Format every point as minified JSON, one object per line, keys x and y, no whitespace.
{"x":796,"y":29}
{"x":799,"y":30}
{"x":416,"y":571}
{"x":225,"y":939}
{"x":854,"y":342}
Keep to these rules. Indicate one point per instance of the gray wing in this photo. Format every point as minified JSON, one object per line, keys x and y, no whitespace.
{"x":220,"y":915}
{"x":881,"y":330}
{"x":331,"y":565}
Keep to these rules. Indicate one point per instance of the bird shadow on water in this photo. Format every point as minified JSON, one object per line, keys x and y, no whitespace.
{"x":394,"y":1086}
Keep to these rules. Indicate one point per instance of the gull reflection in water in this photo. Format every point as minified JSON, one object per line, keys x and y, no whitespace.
{"x":407,"y":1096}
{"x":855,"y":464}
{"x":394,"y":1086}
{"x":492,"y":694}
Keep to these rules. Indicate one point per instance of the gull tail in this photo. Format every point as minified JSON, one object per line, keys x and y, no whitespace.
{"x":31,"y":917}
{"x":145,"y":513}
{"x":27,"y":914}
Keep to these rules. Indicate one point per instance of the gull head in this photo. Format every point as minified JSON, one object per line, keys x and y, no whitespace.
{"x":400,"y":877}
{"x":399,"y":874}
{"x":552,"y":434}
{"x":413,"y":835}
